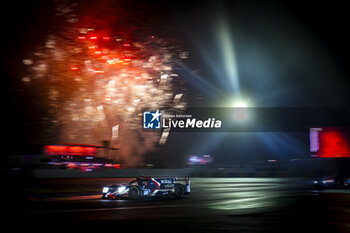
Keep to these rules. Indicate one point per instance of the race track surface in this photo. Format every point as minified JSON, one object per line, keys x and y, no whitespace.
{"x":215,"y":205}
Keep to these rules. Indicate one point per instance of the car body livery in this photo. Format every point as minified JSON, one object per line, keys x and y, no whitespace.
{"x":148,"y":187}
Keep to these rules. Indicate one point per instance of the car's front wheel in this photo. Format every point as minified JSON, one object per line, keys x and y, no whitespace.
{"x":134,"y":193}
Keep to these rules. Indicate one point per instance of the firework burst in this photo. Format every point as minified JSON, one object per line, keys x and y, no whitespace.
{"x":95,"y":85}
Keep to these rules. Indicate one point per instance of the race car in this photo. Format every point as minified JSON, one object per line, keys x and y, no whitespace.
{"x":339,"y":181}
{"x":148,"y":187}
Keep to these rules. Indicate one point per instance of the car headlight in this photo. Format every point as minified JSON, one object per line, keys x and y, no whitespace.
{"x":121,"y":189}
{"x":105,"y":189}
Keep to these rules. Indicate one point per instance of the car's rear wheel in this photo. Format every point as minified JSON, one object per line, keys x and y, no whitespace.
{"x":134,"y":193}
{"x":179,"y":191}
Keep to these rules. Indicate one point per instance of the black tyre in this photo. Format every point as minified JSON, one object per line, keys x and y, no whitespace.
{"x":134,"y":193}
{"x":179,"y":191}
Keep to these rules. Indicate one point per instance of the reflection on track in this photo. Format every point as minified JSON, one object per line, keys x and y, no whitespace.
{"x":228,"y":195}
{"x":248,"y":194}
{"x":215,"y":205}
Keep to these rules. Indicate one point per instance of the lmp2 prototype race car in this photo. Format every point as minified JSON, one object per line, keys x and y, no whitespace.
{"x":339,"y":181}
{"x":148,"y":187}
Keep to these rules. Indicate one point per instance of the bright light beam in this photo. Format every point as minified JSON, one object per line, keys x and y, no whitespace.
{"x":240,"y":112}
{"x":227,"y":50}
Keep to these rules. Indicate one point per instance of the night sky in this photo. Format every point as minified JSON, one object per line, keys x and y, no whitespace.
{"x":287,"y":55}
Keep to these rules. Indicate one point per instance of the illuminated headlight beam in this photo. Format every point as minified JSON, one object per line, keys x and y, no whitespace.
{"x":105,"y":189}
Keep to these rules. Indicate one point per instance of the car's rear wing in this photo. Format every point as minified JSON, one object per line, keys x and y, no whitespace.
{"x":186,"y":180}
{"x":174,"y":178}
